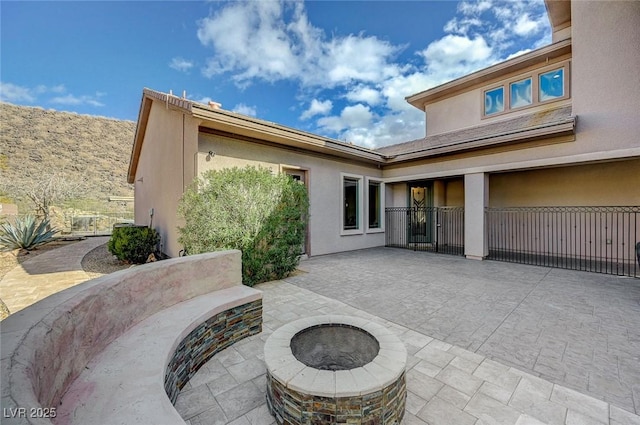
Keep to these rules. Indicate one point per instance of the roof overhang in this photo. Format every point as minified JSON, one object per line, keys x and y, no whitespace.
{"x":541,"y":125}
{"x":249,"y":128}
{"x":242,"y":126}
{"x":484,"y":76}
{"x":559,"y":12}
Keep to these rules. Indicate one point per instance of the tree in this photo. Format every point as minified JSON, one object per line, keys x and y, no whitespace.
{"x":46,"y":189}
{"x":249,"y":209}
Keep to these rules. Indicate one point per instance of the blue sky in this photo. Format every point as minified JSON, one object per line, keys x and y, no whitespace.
{"x":337,"y":68}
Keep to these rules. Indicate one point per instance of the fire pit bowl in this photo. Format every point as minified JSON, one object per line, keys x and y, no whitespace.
{"x":335,"y":369}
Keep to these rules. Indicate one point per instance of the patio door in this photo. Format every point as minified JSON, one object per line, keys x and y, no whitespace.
{"x":421,"y":214}
{"x":301,"y":177}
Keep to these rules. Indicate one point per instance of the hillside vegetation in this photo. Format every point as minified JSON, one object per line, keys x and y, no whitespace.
{"x":90,"y":153}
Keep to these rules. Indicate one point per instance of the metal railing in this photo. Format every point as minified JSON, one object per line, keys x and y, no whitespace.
{"x":436,"y":229}
{"x":595,"y":239}
{"x":97,"y":223}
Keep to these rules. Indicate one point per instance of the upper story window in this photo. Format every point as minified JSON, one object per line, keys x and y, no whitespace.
{"x":520,"y":92}
{"x":543,"y":85}
{"x":551,"y":85}
{"x":494,"y":101}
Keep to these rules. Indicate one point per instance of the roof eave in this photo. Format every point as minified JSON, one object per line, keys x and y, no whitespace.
{"x":141,"y":128}
{"x":564,"y":128}
{"x":419,"y":100}
{"x":276,"y":134}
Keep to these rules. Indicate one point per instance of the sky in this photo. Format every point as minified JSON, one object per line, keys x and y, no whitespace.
{"x":341,"y":69}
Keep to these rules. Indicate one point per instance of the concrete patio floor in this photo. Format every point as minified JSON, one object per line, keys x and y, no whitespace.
{"x":489,"y":343}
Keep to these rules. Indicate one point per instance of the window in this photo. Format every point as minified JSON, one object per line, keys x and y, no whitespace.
{"x":352,"y":208}
{"x":551,"y":85}
{"x":548,"y":84}
{"x":375,"y":205}
{"x":351,"y":204}
{"x":520,"y":92}
{"x":494,"y":101}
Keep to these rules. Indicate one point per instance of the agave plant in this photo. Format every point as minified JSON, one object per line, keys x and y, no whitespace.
{"x":25,"y":233}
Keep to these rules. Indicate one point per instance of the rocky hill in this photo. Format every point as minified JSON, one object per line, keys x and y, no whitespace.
{"x":93,"y":151}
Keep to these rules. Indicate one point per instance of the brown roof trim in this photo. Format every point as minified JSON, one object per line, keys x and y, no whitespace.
{"x":555,"y":50}
{"x":148,"y":96}
{"x":559,"y":12}
{"x":534,"y":126}
{"x":243,"y":125}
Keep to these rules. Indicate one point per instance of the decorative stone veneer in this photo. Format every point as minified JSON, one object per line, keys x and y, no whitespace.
{"x":372,"y":394}
{"x":212,"y":336}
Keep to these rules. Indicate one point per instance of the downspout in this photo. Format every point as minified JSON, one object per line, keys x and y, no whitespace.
{"x":183,"y":168}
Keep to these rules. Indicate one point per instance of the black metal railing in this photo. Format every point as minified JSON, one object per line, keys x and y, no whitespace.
{"x":595,"y":239}
{"x":437,"y":229}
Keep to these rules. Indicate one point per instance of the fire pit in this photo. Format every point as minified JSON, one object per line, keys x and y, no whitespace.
{"x":335,"y":369}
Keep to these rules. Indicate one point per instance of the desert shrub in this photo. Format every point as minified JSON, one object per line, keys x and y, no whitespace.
{"x":249,"y":209}
{"x":133,"y":244}
{"x":25,"y":233}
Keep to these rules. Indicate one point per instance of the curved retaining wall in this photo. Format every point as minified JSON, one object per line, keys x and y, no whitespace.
{"x":46,"y":346}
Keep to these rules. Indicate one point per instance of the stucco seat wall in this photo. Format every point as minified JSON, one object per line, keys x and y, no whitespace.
{"x":46,"y":346}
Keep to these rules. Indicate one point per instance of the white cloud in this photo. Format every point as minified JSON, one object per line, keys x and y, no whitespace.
{"x":351,"y":117}
{"x":317,"y":108}
{"x":364,"y":94}
{"x":17,"y":94}
{"x":70,"y":99}
{"x":274,"y":41}
{"x":455,"y":55}
{"x":525,"y":26}
{"x":243,"y":109}
{"x":181,"y":64}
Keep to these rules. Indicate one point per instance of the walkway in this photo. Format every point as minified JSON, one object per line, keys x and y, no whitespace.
{"x":489,"y":343}
{"x":46,"y":274}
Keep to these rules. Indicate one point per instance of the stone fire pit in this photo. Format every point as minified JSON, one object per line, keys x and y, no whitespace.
{"x":335,"y":369}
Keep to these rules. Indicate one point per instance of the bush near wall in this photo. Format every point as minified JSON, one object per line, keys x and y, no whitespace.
{"x":249,"y":209}
{"x":133,"y":244}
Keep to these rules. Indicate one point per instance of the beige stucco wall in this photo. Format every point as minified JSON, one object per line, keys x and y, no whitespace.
{"x":465,"y":109}
{"x":606,"y":73}
{"x":604,"y":184}
{"x":162,"y":174}
{"x":615,"y":183}
{"x":324,"y":183}
{"x":605,"y":96}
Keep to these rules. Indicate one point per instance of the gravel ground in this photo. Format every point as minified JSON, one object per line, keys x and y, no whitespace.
{"x":99,"y":261}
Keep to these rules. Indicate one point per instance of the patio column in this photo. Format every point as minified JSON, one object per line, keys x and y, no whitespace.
{"x":476,"y":198}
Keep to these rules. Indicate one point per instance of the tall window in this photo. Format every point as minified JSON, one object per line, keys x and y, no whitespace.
{"x":375,"y":205}
{"x":351,"y":212}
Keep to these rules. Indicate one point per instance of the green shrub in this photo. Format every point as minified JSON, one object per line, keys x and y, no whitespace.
{"x":25,"y":233}
{"x":133,"y":244}
{"x":249,"y":209}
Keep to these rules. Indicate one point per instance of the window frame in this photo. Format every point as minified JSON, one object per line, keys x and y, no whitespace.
{"x":484,"y":101}
{"x":381,"y":205}
{"x":534,"y":75}
{"x":359,"y":204}
{"x":510,"y":85}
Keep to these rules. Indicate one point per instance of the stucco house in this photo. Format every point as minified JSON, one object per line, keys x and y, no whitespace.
{"x":534,"y":158}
